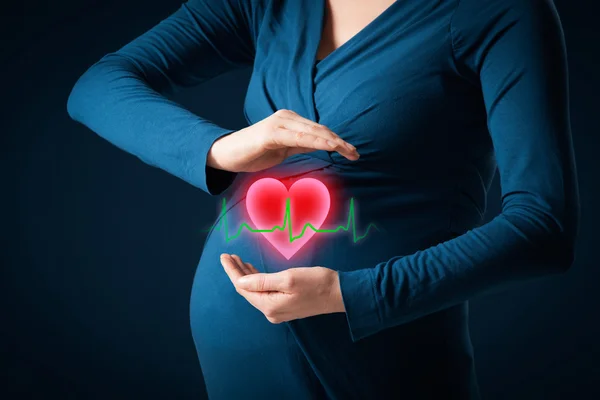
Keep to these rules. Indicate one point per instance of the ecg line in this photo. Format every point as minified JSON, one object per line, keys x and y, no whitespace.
{"x":287,"y":221}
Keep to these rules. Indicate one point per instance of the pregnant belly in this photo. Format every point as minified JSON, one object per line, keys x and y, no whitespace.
{"x":406,"y":221}
{"x":409,"y":217}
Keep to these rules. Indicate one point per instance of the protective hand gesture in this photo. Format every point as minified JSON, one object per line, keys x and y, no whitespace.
{"x":270,"y":141}
{"x":287,"y":295}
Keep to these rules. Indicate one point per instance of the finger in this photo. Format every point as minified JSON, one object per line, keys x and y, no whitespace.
{"x":320,"y":131}
{"x":282,"y":137}
{"x":231,"y":267}
{"x":241,"y":265}
{"x":262,"y":282}
{"x":246,"y":267}
{"x":289,"y":114}
{"x":296,"y":122}
{"x":317,"y":130}
{"x":305,"y":125}
{"x":251,"y":268}
{"x":272,"y":304}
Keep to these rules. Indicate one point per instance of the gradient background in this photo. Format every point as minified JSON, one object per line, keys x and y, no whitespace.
{"x":99,"y":249}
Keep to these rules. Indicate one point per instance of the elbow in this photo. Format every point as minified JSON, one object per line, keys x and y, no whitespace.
{"x":551,"y":238}
{"x":569,"y":235}
{"x":549,"y":252}
{"x":561,"y":250}
{"x":93,"y":84}
{"x":80,"y":93}
{"x":73,"y":102}
{"x":563,"y":242}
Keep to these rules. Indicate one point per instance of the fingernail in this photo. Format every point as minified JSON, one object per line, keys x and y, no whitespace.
{"x":348,"y":145}
{"x":332,"y":144}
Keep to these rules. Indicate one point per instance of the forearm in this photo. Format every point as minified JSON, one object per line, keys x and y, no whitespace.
{"x":113,"y":100}
{"x":514,"y":246}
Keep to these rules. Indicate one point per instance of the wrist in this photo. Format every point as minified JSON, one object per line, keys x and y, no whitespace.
{"x":336,"y":300}
{"x":214,"y":158}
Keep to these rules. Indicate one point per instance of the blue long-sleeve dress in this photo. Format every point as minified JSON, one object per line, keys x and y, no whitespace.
{"x":436,"y":95}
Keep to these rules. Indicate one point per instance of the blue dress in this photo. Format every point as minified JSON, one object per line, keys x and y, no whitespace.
{"x":436,"y":95}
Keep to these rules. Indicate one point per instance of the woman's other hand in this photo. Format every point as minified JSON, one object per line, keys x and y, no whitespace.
{"x":270,"y":141}
{"x":287,"y":295}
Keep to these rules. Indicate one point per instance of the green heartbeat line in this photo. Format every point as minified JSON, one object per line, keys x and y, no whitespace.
{"x":287,"y":222}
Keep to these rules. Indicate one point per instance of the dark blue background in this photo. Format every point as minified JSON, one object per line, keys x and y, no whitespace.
{"x":99,"y":249}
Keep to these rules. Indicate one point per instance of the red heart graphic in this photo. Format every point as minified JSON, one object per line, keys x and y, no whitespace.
{"x":309,"y":204}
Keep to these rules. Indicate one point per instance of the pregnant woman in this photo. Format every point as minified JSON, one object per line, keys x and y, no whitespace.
{"x":407,"y":107}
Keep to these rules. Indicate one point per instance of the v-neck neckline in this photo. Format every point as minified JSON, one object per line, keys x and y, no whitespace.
{"x":321,"y":6}
{"x":314,"y":29}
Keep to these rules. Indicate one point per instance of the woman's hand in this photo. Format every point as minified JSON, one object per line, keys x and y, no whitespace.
{"x":287,"y":295}
{"x":270,"y":141}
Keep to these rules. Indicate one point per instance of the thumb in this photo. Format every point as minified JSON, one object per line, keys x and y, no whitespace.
{"x":261,"y":282}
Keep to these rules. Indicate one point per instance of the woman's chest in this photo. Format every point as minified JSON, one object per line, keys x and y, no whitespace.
{"x":388,"y":89}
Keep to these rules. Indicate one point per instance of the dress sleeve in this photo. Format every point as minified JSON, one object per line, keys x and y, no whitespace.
{"x":515,"y":52}
{"x":122,"y":96}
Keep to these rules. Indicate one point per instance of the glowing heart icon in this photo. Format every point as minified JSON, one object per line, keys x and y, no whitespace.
{"x":268,"y":208}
